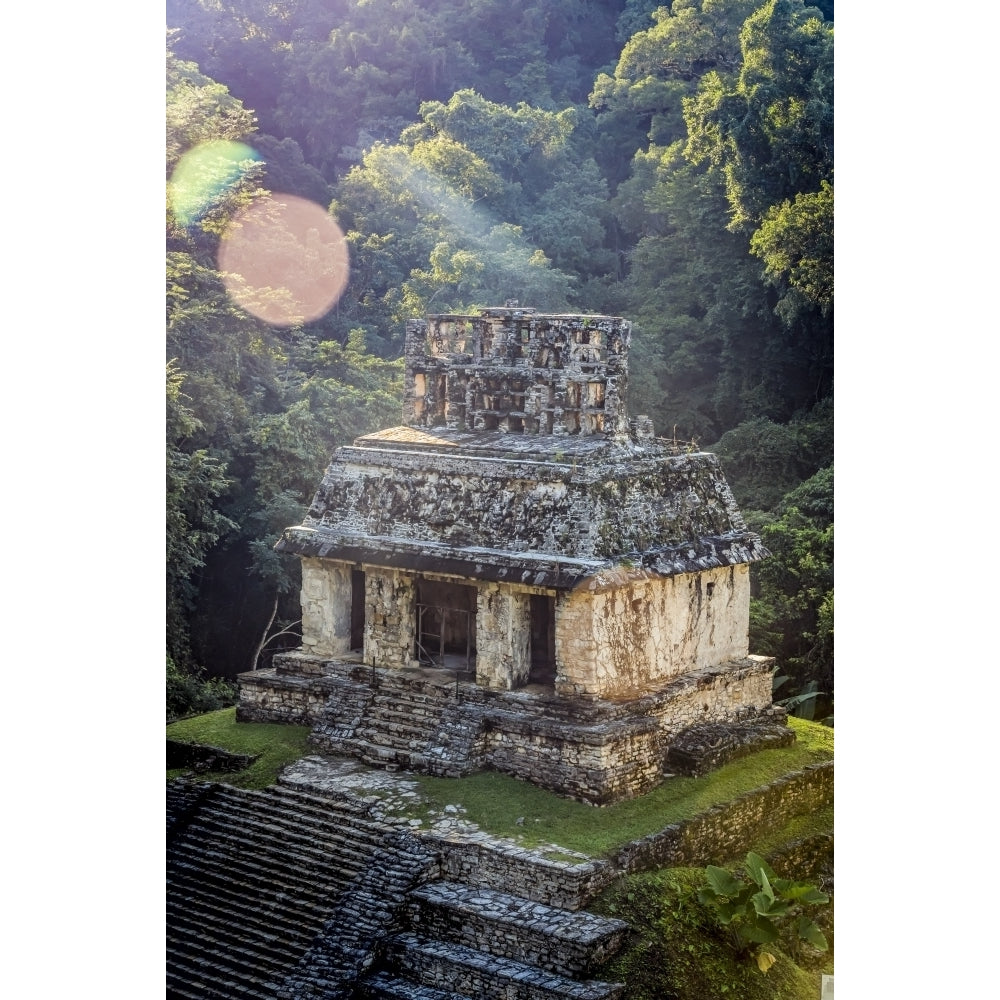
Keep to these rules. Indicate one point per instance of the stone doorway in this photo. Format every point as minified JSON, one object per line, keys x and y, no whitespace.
{"x":543,"y":641}
{"x":446,"y":625}
{"x":357,"y":610}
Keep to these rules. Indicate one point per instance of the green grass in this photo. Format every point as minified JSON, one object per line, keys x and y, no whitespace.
{"x":812,"y":824}
{"x":276,"y":744}
{"x":495,"y":802}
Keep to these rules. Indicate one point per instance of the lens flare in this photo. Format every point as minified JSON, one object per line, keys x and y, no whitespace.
{"x":204,"y":174}
{"x":284,"y":260}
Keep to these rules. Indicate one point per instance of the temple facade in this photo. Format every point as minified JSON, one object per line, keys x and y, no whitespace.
{"x":520,"y":576}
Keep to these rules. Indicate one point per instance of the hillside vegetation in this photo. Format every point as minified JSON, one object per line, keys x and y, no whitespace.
{"x":671,"y":163}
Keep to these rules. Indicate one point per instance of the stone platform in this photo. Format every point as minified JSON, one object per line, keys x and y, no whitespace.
{"x":437,"y":721}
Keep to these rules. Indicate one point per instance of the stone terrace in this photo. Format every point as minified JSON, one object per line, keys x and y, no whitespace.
{"x":251,"y":877}
{"x":326,"y":886}
{"x":308,"y":889}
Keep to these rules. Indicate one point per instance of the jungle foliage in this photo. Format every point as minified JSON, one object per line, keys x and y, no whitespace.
{"x":680,"y":949}
{"x":670,"y":163}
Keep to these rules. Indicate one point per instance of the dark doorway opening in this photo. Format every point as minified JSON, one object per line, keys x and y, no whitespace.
{"x":446,"y":624}
{"x":357,"y":610}
{"x":543,"y":640}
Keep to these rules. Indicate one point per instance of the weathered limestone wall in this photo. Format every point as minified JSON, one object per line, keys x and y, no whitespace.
{"x":618,"y":641}
{"x":600,"y":766}
{"x":563,"y":942}
{"x":390,"y":617}
{"x":480,"y":859}
{"x":624,"y":757}
{"x":282,"y":694}
{"x":729,"y":830}
{"x":727,"y":693}
{"x":503,"y":631}
{"x":326,"y":607}
{"x":517,"y":371}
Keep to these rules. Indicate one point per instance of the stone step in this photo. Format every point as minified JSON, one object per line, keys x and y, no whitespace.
{"x":280,"y":830}
{"x":289,"y":916}
{"x":304,"y":802}
{"x":261,"y":886}
{"x":426,"y":759}
{"x":561,"y":941}
{"x":282,"y":837}
{"x":314,"y":883}
{"x":414,"y":741}
{"x":412,"y":728}
{"x":485,"y":976}
{"x":244,"y":854}
{"x":302,"y":829}
{"x":386,"y":986}
{"x":255,"y":959}
{"x":379,"y":755}
{"x":206,"y":978}
{"x":185,"y":904}
{"x":397,"y":692}
{"x":404,"y":708}
{"x":183,"y":799}
{"x":392,"y":736}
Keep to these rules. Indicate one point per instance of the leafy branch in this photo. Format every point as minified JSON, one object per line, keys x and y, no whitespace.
{"x":763,"y":910}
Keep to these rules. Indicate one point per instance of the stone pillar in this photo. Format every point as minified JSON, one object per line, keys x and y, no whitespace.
{"x":503,"y":637}
{"x":326,"y":607}
{"x":390,"y":617}
{"x":576,"y":652}
{"x":414,"y":382}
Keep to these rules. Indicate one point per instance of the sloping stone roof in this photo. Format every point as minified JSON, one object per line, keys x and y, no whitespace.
{"x":518,"y":462}
{"x":536,"y":510}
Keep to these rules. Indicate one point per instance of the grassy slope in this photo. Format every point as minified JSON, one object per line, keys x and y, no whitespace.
{"x":674,"y":953}
{"x":277,"y":745}
{"x":496,"y":802}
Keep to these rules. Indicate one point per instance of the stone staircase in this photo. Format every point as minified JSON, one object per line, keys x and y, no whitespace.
{"x":466,"y":943}
{"x":409,"y":720}
{"x":293,"y":894}
{"x":252,"y":877}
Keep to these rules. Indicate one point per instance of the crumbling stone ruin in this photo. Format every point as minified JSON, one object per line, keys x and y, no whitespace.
{"x":307,"y":889}
{"x":521,"y":577}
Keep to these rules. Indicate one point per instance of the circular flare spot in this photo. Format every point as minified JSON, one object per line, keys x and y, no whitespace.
{"x":205,"y":174}
{"x":284,"y":260}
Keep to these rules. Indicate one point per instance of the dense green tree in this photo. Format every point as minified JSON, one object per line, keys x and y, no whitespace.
{"x":765,"y":460}
{"x":721,"y":338}
{"x":769,"y":131}
{"x":792,"y":610}
{"x":436,"y":220}
{"x":694,"y":195}
{"x":338,"y":76}
{"x":661,"y":63}
{"x":195,"y":481}
{"x":254,"y":411}
{"x":795,"y":241}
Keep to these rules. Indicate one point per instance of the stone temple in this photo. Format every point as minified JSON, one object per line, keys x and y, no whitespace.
{"x":522,"y":578}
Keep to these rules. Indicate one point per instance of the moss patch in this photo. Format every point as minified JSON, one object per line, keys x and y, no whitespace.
{"x":496,"y":802}
{"x":277,"y":745}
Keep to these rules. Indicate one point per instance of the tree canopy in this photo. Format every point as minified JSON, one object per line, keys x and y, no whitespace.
{"x":672,"y":163}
